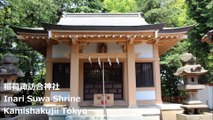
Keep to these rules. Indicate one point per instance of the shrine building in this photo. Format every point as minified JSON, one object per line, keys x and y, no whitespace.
{"x":76,"y":47}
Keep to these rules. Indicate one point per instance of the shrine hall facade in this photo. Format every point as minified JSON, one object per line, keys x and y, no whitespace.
{"x":128,"y":46}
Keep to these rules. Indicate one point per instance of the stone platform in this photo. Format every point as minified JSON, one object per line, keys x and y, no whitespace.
{"x":204,"y":116}
{"x":120,"y":114}
{"x":151,"y":112}
{"x":165,"y":111}
{"x":94,"y":113}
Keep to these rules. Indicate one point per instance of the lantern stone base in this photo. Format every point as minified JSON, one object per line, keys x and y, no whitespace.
{"x":204,"y":116}
{"x":194,"y":109}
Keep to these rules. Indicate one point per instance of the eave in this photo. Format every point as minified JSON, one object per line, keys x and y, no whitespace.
{"x":167,"y":38}
{"x":36,"y":39}
{"x":103,"y":28}
{"x":150,"y":34}
{"x":18,"y":30}
{"x":175,"y":30}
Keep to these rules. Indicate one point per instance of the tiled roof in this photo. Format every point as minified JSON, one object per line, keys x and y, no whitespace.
{"x":102,"y":19}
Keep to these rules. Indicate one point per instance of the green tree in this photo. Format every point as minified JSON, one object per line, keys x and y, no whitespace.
{"x":171,"y":12}
{"x":120,"y":6}
{"x":169,"y":64}
{"x":32,"y":13}
{"x":27,"y":14}
{"x":174,"y":14}
{"x":82,"y":6}
{"x":147,"y":5}
{"x":201,"y":12}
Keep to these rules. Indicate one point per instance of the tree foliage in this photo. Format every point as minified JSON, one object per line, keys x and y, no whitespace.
{"x":86,"y":6}
{"x":32,"y":13}
{"x":171,"y":12}
{"x":176,"y":13}
{"x":116,"y":6}
{"x":201,"y":12}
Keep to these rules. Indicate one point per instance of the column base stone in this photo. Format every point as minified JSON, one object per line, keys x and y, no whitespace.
{"x":204,"y":116}
{"x":132,"y":106}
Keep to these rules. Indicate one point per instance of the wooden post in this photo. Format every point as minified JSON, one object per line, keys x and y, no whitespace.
{"x":157,"y":81}
{"x":48,"y":69}
{"x":131,"y":75}
{"x":74,"y":76}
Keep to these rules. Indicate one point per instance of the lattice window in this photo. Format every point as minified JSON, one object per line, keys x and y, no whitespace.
{"x":93,"y":80}
{"x":61,"y":74}
{"x":144,"y":75}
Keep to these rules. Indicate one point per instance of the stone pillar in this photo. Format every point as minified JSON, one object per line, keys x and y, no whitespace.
{"x":74,"y":76}
{"x":131,"y":76}
{"x":157,"y":81}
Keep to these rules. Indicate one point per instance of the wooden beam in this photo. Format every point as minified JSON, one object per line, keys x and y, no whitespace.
{"x":102,"y":55}
{"x":121,"y":43}
{"x":124,"y":48}
{"x":100,"y":34}
{"x":145,"y":60}
{"x":106,"y":37}
{"x":74,"y":39}
{"x":102,"y":40}
{"x":131,"y":39}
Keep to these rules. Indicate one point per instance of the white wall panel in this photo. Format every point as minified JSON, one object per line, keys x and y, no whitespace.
{"x":145,"y":50}
{"x":145,"y":95}
{"x":111,"y":48}
{"x":60,"y":50}
{"x":90,"y":48}
{"x":114,"y":48}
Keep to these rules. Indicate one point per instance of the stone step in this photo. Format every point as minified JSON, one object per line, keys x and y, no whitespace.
{"x":119,"y":114}
{"x":126,"y":117}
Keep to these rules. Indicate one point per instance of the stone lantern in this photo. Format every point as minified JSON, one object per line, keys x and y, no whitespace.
{"x":190,"y":73}
{"x":9,"y":72}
